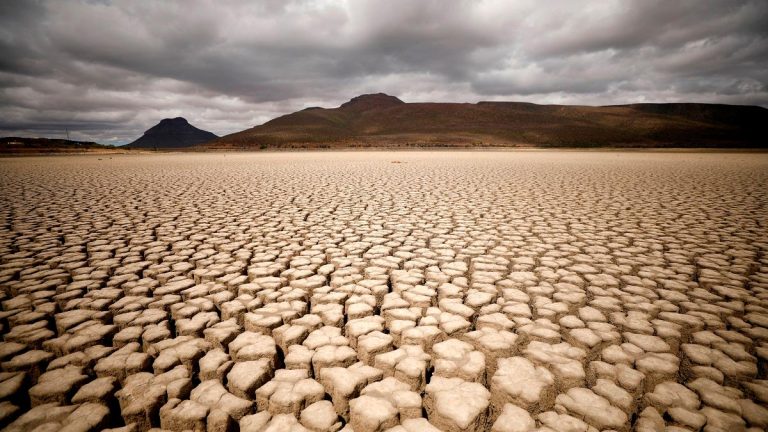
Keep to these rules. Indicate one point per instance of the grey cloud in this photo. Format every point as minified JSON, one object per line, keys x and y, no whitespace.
{"x":110,"y":69}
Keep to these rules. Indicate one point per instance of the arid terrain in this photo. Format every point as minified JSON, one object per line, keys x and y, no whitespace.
{"x":374,"y":291}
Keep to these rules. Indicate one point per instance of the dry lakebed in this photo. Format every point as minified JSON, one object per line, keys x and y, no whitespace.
{"x":385,"y":291}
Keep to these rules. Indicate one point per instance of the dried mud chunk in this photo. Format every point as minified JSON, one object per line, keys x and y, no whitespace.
{"x":289,"y":392}
{"x":593,"y":408}
{"x":287,"y":335}
{"x":332,"y":356}
{"x":513,"y":419}
{"x":628,"y":378}
{"x":279,"y":422}
{"x":155,"y":333}
{"x":719,"y":420}
{"x":758,"y":389}
{"x":73,"y":418}
{"x":130,"y":428}
{"x":563,"y":360}
{"x":12,"y":384}
{"x":127,"y":335}
{"x":408,"y":364}
{"x":658,"y":367}
{"x":245,"y":377}
{"x":552,"y":421}
{"x":415,"y":425}
{"x":143,"y":394}
{"x":383,"y":405}
{"x":124,"y":362}
{"x":325,"y":335}
{"x":320,"y":417}
{"x":542,"y":330}
{"x":616,"y":395}
{"x":648,"y":343}
{"x":182,"y":350}
{"x":87,"y":417}
{"x":343,"y":384}
{"x":671,"y":394}
{"x":10,"y":349}
{"x":299,"y":357}
{"x":214,"y":396}
{"x":57,"y":386}
{"x":717,"y":396}
{"x":178,"y":415}
{"x":254,"y":422}
{"x":220,"y":421}
{"x":588,"y":313}
{"x":32,"y":362}
{"x":497,"y":321}
{"x":455,"y":405}
{"x":273,"y":315}
{"x":221,"y":334}
{"x":454,"y":358}
{"x":494,"y":344}
{"x":422,"y":335}
{"x":253,"y":346}
{"x":362,"y":326}
{"x":372,"y":344}
{"x":331,"y":314}
{"x":33,"y":334}
{"x":41,"y":415}
{"x":8,"y":412}
{"x":98,"y":390}
{"x":215,"y":364}
{"x":687,"y":418}
{"x":754,"y":414}
{"x":519,"y":382}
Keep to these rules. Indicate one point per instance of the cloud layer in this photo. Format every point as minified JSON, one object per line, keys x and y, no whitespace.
{"x":108,"y":70}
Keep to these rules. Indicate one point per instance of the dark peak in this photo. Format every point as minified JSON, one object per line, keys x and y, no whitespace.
{"x":172,"y":133}
{"x":176,"y":120}
{"x":372,"y":101}
{"x":170,"y":124}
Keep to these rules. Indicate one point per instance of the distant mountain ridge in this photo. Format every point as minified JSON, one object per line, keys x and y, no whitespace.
{"x":172,"y":133}
{"x":22,"y":145}
{"x":384,"y":121}
{"x":380,"y":120}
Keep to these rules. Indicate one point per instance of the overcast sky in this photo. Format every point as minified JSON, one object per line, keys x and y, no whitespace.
{"x":108,"y":70}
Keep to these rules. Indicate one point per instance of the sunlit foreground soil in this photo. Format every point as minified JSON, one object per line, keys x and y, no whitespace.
{"x":372,"y":291}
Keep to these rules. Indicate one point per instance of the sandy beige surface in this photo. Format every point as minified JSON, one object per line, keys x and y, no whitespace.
{"x":372,"y":291}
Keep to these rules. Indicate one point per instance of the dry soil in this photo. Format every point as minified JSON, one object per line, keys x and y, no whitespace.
{"x":455,"y":291}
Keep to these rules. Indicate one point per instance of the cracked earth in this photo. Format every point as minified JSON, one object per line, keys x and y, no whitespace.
{"x":508,"y":291}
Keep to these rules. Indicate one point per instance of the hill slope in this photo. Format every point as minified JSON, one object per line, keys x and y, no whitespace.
{"x":384,"y":121}
{"x":172,"y":133}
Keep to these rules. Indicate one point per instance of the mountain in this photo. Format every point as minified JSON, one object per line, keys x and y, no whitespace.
{"x":172,"y":133}
{"x":380,"y":120}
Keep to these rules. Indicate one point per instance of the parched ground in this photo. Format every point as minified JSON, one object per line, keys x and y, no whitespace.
{"x":372,"y":291}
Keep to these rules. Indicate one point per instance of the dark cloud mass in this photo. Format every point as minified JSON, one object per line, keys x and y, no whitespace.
{"x":108,"y":70}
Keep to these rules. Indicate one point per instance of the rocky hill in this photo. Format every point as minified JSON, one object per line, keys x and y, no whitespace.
{"x":380,"y":120}
{"x":172,"y":133}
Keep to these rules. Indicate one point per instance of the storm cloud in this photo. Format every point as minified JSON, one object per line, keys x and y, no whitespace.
{"x":108,"y":70}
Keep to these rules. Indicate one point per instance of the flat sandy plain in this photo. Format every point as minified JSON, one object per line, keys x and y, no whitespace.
{"x":372,"y":291}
